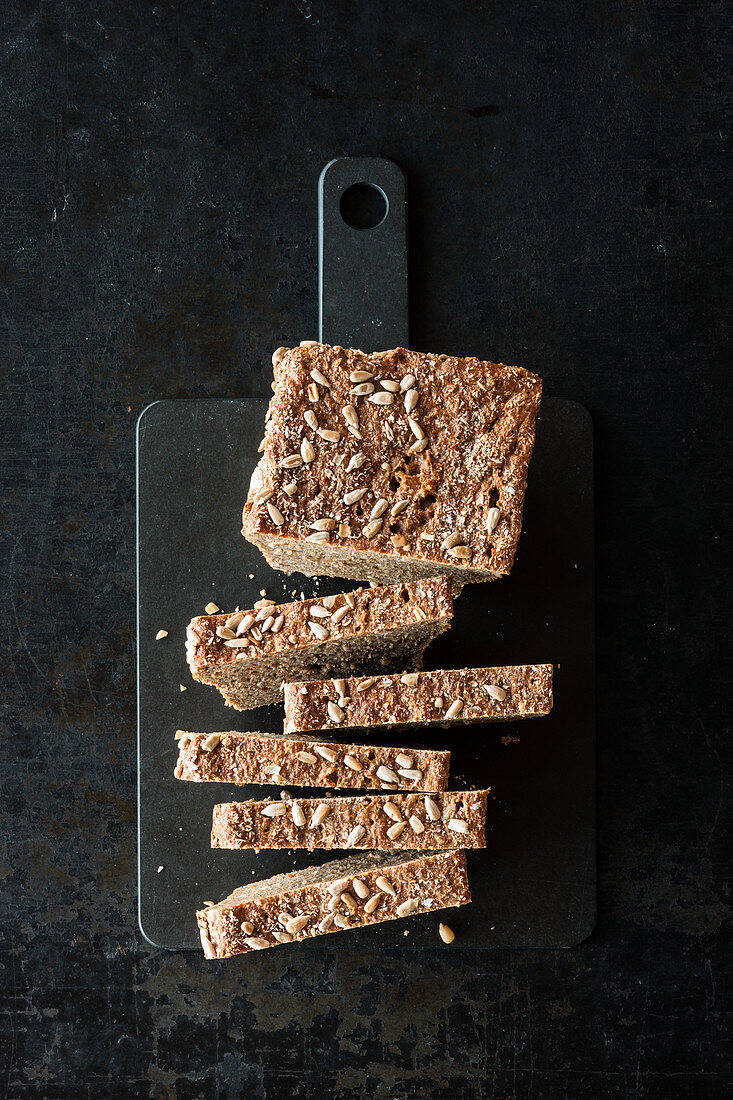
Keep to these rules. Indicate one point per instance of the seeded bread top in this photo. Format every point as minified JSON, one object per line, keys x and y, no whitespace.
{"x":417,"y":698}
{"x":396,"y":452}
{"x":269,"y":628}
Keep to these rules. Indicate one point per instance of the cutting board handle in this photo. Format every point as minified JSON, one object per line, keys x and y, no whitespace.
{"x":362,"y":254}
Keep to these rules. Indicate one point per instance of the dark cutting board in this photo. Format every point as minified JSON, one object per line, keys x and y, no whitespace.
{"x":535,"y":884}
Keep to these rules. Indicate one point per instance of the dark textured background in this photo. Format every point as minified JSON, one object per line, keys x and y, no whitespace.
{"x":569,"y":169}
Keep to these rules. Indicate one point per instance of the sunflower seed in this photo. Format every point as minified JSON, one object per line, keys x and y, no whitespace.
{"x":329,"y":435}
{"x":461,"y":552}
{"x":283,"y":937}
{"x":411,"y":400}
{"x":410,"y":773}
{"x":318,"y":631}
{"x":454,"y":709}
{"x":356,"y":834}
{"x":313,"y":393}
{"x":163,"y":634}
{"x":340,"y":921}
{"x":309,"y":344}
{"x":386,"y":774}
{"x":278,"y":355}
{"x":306,"y":757}
{"x":382,"y":398}
{"x":275,"y":515}
{"x":350,"y":415}
{"x":446,"y":934}
{"x":340,"y":686}
{"x":320,"y":814}
{"x":379,"y":508}
{"x":417,"y":446}
{"x":291,"y":461}
{"x":320,"y":378}
{"x":267,"y":623}
{"x":410,"y":678}
{"x":399,"y":541}
{"x":256,"y":942}
{"x":340,"y":613}
{"x":398,"y":508}
{"x":326,"y":923}
{"x":254,"y":633}
{"x":326,"y":753}
{"x":346,"y":898}
{"x":311,"y":419}
{"x":450,"y":540}
{"x":263,"y":611}
{"x":354,"y":496}
{"x":372,"y":528}
{"x":291,"y":488}
{"x":350,"y":600}
{"x":391,"y":811}
{"x":355,"y":462}
{"x":406,"y":907}
{"x":277,"y":625}
{"x":390,"y":385}
{"x":395,"y":830}
{"x":407,"y":382}
{"x":274,"y":809}
{"x":297,"y":924}
{"x":415,"y":428}
{"x":363,"y":389}
{"x":385,"y":885}
{"x":307,"y":452}
{"x":337,"y":887}
{"x":335,"y":712}
{"x":296,"y":812}
{"x":245,"y":624}
{"x":366,"y":683}
{"x":496,"y":692}
{"x":318,"y":536}
{"x":354,"y":431}
{"x":261,"y":447}
{"x":352,"y":763}
{"x":416,"y":824}
{"x":360,"y":376}
{"x":234,"y":620}
{"x":457,"y":825}
{"x":236,"y":643}
{"x":247,"y":927}
{"x":359,"y":888}
{"x":492,"y":518}
{"x":211,"y":742}
{"x":431,"y":808}
{"x":403,"y":761}
{"x":272,"y":769}
{"x":318,"y":612}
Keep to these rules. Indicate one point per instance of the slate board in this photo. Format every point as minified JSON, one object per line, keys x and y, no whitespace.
{"x":535,"y":884}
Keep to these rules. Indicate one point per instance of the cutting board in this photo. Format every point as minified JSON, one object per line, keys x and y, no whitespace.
{"x":535,"y":883}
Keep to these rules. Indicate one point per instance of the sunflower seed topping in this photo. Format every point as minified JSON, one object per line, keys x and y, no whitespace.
{"x":277,"y":625}
{"x":398,"y":541}
{"x":350,"y":415}
{"x":267,"y":623}
{"x":411,"y":400}
{"x":446,"y":934}
{"x":372,"y":903}
{"x":291,"y":461}
{"x":355,"y":462}
{"x":360,"y":376}
{"x":403,"y":761}
{"x":335,"y":712}
{"x":379,"y":508}
{"x":352,"y":763}
{"x":390,"y":385}
{"x":326,"y":753}
{"x":431,"y":808}
{"x":296,"y":812}
{"x":256,"y":942}
{"x":363,"y":389}
{"x":340,"y":613}
{"x":395,"y":830}
{"x":275,"y":515}
{"x":318,"y":612}
{"x":326,"y":923}
{"x":354,"y":496}
{"x":346,"y":898}
{"x":356,"y":834}
{"x":415,"y":428}
{"x":460,"y":552}
{"x":245,"y":624}
{"x":366,"y":683}
{"x":278,"y":355}
{"x":272,"y":769}
{"x":416,"y":824}
{"x":457,"y":825}
{"x":318,"y":630}
{"x":450,"y":540}
{"x":313,"y":393}
{"x":311,"y":419}
{"x":283,"y":937}
{"x":496,"y":692}
{"x":382,"y":397}
{"x":291,"y":488}
{"x":234,"y":620}
{"x":297,"y":924}
{"x":237,"y":643}
{"x":211,"y":742}
{"x":386,"y":774}
{"x":398,"y":508}
{"x":359,"y":888}
{"x":410,"y":773}
{"x":307,"y":451}
{"x":261,"y":447}
{"x":318,"y":536}
{"x":407,"y":382}
{"x":274,"y":809}
{"x":340,"y":921}
{"x":391,"y":811}
{"x":410,"y":679}
{"x":385,"y":886}
{"x":372,"y":528}
{"x":329,"y":435}
{"x":418,"y":446}
{"x":319,"y":377}
{"x":350,"y":600}
{"x":340,"y":686}
{"x":324,"y":524}
{"x":247,"y":927}
{"x":320,"y":814}
{"x":309,"y":344}
{"x":337,"y":887}
{"x":306,"y":757}
{"x":454,"y":709}
{"x":492,"y":518}
{"x":406,"y":907}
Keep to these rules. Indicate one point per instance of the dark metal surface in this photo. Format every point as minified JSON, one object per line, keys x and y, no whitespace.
{"x":362,"y":273}
{"x":534,"y":886}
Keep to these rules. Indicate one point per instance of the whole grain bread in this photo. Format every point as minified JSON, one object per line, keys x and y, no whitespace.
{"x":444,"y":697}
{"x":361,"y":890}
{"x":392,"y":465}
{"x":243,"y":758}
{"x":453,"y":819}
{"x":248,"y":654}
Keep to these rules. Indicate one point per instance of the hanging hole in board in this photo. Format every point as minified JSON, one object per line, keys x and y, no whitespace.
{"x":363,"y":206}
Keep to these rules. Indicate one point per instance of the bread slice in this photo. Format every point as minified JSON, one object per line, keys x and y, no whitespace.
{"x":277,"y":758}
{"x":248,"y":654}
{"x":362,"y":889}
{"x":392,"y":465}
{"x":445,"y":697}
{"x":453,"y":819}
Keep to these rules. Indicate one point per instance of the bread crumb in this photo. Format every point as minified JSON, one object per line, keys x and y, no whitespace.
{"x":161,"y":634}
{"x":182,"y":687}
{"x":160,"y":868}
{"x":507,"y":739}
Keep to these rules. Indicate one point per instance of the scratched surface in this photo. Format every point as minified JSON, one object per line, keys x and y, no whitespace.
{"x":569,"y":168}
